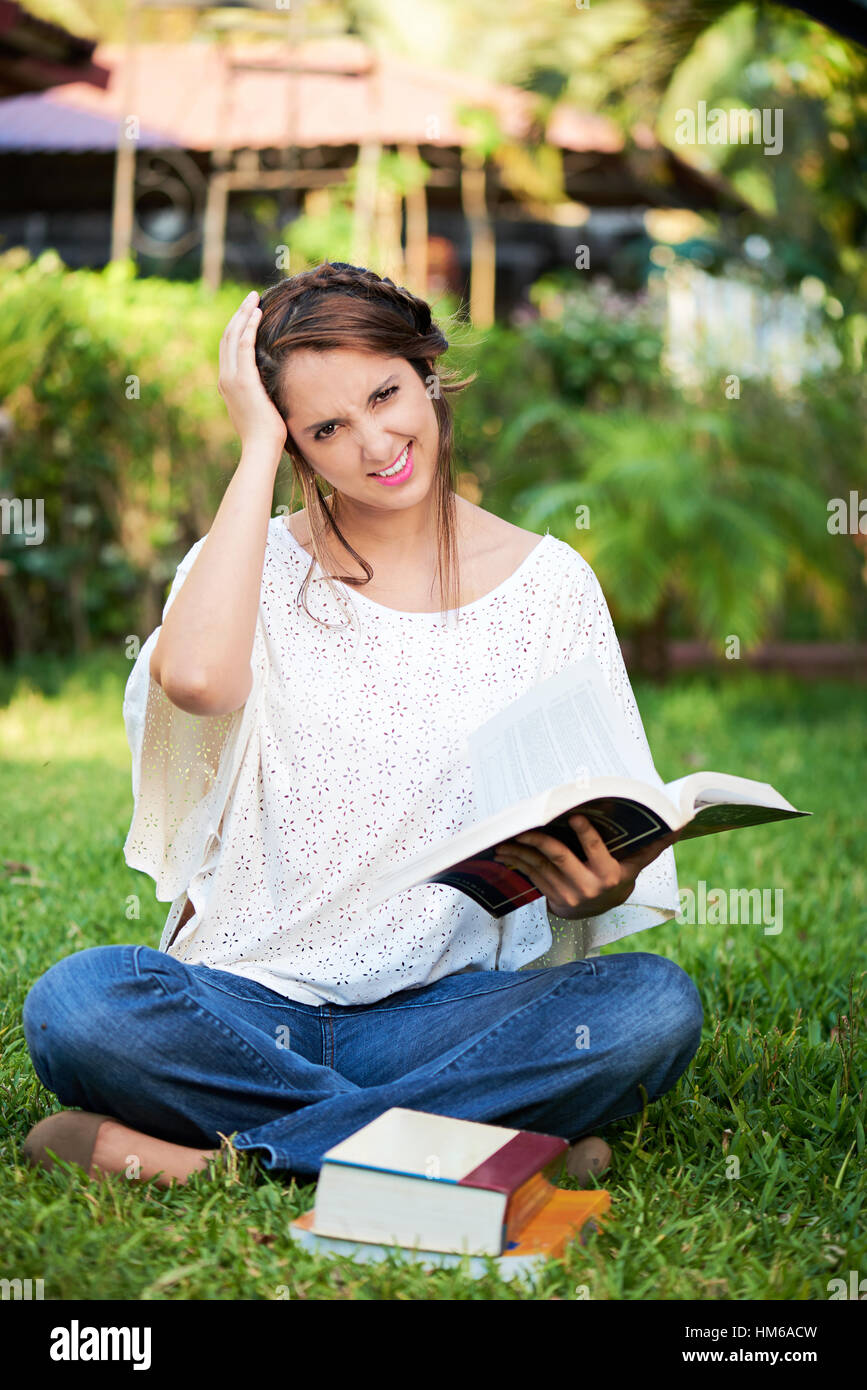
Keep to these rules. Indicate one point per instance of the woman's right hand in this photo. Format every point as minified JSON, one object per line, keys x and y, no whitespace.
{"x":251,"y":410}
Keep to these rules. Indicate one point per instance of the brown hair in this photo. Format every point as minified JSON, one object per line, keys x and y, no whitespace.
{"x":336,"y":305}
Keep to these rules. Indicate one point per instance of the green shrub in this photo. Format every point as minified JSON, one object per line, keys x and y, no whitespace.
{"x":110,"y":385}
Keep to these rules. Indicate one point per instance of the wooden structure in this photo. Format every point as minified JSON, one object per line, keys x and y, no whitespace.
{"x":296,"y":115}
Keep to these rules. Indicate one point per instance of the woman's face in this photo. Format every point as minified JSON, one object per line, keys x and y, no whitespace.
{"x":355,"y":414}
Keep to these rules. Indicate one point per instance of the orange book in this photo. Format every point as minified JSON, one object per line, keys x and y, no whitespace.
{"x":563,"y":1217}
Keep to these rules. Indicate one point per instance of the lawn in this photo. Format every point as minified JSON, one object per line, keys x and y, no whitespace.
{"x":777,"y":1083}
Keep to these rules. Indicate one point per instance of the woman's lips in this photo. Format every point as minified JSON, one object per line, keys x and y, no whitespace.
{"x":401,"y":477}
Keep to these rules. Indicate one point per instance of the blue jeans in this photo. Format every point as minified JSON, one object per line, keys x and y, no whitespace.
{"x":187,"y":1052}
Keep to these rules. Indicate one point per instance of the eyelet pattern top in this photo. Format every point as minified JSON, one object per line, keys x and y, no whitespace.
{"x":348,"y":758}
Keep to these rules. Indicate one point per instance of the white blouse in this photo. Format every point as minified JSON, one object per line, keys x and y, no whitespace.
{"x":348,"y":757}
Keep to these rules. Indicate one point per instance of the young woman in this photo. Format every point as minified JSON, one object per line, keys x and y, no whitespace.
{"x":298,"y":727}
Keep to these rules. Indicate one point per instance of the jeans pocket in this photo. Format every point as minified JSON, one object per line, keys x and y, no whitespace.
{"x":161,"y":969}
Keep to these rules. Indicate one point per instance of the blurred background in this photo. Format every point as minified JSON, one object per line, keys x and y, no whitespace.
{"x":666,"y":310}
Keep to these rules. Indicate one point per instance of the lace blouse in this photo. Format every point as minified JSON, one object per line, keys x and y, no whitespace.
{"x":349,"y":756}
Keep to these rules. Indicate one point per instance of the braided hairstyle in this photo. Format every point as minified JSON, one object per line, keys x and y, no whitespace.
{"x":337,"y":305}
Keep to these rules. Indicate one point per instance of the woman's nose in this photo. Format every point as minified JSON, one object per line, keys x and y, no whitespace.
{"x":377,"y":452}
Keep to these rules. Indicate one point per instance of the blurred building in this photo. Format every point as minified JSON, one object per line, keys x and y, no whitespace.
{"x":216,"y":129}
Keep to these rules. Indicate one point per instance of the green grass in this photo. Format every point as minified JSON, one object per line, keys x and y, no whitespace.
{"x":777,"y":1082}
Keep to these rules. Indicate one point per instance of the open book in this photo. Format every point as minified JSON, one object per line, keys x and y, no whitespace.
{"x":564,"y":747}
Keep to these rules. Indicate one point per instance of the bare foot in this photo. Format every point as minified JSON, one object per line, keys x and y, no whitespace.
{"x":122,"y":1150}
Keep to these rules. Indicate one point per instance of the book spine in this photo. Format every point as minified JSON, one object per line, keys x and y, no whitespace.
{"x":524,"y":1205}
{"x":516,"y":1161}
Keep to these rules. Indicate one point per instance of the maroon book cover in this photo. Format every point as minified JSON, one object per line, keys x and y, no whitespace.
{"x":513,"y":1164}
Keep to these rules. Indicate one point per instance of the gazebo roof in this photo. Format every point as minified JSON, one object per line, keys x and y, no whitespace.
{"x":344,"y":94}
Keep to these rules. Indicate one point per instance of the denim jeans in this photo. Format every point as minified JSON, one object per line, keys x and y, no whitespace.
{"x":188,"y":1053}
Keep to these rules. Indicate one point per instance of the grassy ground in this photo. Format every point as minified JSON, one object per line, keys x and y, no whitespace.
{"x":777,"y":1083}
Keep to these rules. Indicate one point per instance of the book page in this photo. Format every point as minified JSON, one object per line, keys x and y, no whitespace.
{"x":568,"y":728}
{"x":700,"y":789}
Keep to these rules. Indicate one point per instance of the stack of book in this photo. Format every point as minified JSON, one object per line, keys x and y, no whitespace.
{"x":443,"y":1189}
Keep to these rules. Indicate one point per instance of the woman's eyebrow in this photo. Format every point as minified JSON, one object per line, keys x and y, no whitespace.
{"x":320,"y":424}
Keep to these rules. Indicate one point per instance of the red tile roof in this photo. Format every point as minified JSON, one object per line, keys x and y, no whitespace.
{"x":345,"y":94}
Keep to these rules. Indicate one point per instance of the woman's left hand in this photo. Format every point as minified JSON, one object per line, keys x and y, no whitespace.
{"x":574,"y":889}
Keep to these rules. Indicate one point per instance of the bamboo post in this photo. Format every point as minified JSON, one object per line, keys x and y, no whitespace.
{"x":214,"y":230}
{"x":364,"y":213}
{"x":416,"y":230}
{"x":216,"y":204}
{"x":123,"y":201}
{"x":482,"y":243}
